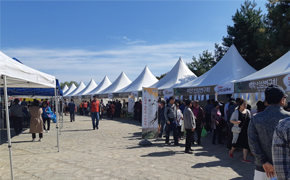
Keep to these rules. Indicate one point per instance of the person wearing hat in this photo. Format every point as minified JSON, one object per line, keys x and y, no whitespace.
{"x":261,"y":130}
{"x":95,"y":107}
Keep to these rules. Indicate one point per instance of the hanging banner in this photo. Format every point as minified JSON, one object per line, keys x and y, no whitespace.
{"x":225,"y":88}
{"x":110,"y":96}
{"x":131,"y":102}
{"x":181,"y":97}
{"x":190,"y":97}
{"x":262,"y":96}
{"x":167,"y":93}
{"x":202,"y":97}
{"x":207,"y":97}
{"x":149,"y":113}
{"x":286,"y":81}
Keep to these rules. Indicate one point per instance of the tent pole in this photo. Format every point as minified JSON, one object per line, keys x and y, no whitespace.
{"x":8,"y":125}
{"x":57,"y":118}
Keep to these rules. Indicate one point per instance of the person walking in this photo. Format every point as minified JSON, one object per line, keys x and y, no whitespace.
{"x":36,"y":122}
{"x":85,"y":107}
{"x":46,"y":116}
{"x":199,"y":114}
{"x":72,"y":110}
{"x":95,"y":112}
{"x":281,"y":149}
{"x":231,"y":109}
{"x":209,"y":107}
{"x":216,"y":118}
{"x":241,"y":119}
{"x":111,"y":110}
{"x":189,"y":125}
{"x":261,"y":130}
{"x":16,"y":115}
{"x":170,"y":117}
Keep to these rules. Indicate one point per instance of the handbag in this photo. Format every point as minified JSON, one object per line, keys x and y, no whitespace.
{"x":203,"y":132}
{"x":237,"y":129}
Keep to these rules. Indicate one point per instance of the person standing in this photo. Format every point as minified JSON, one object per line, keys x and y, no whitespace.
{"x":199,"y":114}
{"x":209,"y":107}
{"x":179,"y":117}
{"x":139,"y":110}
{"x":170,"y":117}
{"x":24,"y":103}
{"x":46,"y":116}
{"x":231,"y":109}
{"x":16,"y":116}
{"x":162,"y":118}
{"x":81,"y":108}
{"x":36,"y":122}
{"x":261,"y":130}
{"x":85,"y":107}
{"x":189,"y":125}
{"x":281,"y":149}
{"x":102,"y":109}
{"x":216,"y":118}
{"x":241,"y":119}
{"x":72,"y":110}
{"x":95,"y":112}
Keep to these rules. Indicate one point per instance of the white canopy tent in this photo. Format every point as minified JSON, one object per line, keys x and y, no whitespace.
{"x":121,"y":82}
{"x":77,"y":90}
{"x":92,"y":85}
{"x":103,"y":85}
{"x":15,"y":74}
{"x":178,"y":75}
{"x":145,"y":79}
{"x":71,"y":89}
{"x":277,"y":72}
{"x":231,"y":67}
{"x":64,"y":90}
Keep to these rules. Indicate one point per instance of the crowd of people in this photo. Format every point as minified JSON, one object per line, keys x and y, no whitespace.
{"x":264,"y":132}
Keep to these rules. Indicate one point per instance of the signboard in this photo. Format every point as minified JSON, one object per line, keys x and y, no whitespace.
{"x":224,"y":88}
{"x":196,"y":90}
{"x":110,"y":96}
{"x":149,"y":113}
{"x":131,"y":103}
{"x":261,"y":84}
{"x":167,"y":93}
{"x":121,"y":95}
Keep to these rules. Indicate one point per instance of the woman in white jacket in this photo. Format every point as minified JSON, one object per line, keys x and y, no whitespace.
{"x":240,"y":118}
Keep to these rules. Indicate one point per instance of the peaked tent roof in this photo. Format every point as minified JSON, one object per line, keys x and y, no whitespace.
{"x":78,"y":89}
{"x":178,"y":75}
{"x":71,"y":89}
{"x":20,"y":75}
{"x":121,"y":82}
{"x":64,"y":89}
{"x":279,"y":67}
{"x":145,"y":79}
{"x":103,"y":85}
{"x":231,"y":67}
{"x":92,"y":85}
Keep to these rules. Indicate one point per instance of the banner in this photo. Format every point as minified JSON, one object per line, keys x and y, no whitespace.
{"x":286,"y":81}
{"x":110,"y":96}
{"x":225,"y":88}
{"x":149,"y":113}
{"x":167,"y":93}
{"x":131,"y":103}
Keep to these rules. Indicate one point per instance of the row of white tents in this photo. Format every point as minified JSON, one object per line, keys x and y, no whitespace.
{"x":232,"y":74}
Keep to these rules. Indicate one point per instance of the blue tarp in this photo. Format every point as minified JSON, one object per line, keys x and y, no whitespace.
{"x":33,"y":91}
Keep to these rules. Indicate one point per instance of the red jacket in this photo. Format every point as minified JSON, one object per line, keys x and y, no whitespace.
{"x":95,"y":106}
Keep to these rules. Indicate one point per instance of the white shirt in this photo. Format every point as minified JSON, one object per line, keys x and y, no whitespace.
{"x":179,"y":117}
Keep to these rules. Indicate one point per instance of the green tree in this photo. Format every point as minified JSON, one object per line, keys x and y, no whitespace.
{"x":68,"y":84}
{"x":278,"y":27}
{"x":161,"y":76}
{"x":219,"y":52}
{"x":204,"y":63}
{"x":249,"y":35}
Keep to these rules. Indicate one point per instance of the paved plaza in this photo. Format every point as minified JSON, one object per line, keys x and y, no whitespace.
{"x":112,"y":152}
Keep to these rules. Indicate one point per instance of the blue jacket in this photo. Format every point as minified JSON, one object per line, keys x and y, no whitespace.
{"x":72,"y":107}
{"x":44,"y":114}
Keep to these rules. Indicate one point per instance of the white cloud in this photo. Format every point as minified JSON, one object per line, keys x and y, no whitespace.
{"x":84,"y":64}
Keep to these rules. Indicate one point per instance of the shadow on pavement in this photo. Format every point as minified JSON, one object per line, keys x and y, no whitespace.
{"x":160,"y":154}
{"x":76,"y":130}
{"x":3,"y":135}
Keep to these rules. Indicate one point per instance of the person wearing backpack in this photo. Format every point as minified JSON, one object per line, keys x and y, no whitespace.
{"x":170,"y":117}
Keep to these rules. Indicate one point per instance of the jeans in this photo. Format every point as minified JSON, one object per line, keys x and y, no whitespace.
{"x":84,"y":111}
{"x":162,"y":128}
{"x":95,"y":117}
{"x":72,"y":116}
{"x":198,"y":132}
{"x":48,"y":123}
{"x":171,"y":127}
{"x":34,"y":135}
{"x":17,"y":123}
{"x":188,"y":139}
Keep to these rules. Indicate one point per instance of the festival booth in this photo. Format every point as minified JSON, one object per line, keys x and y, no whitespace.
{"x":134,"y":90}
{"x":77,"y":97}
{"x":71,"y":89}
{"x":121,"y":82}
{"x":65,"y":88}
{"x":102,"y":86}
{"x":178,"y":75}
{"x":231,"y":67}
{"x":277,"y":73}
{"x":17,"y":75}
{"x":76,"y":91}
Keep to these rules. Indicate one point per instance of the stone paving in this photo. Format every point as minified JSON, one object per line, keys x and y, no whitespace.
{"x":112,"y":152}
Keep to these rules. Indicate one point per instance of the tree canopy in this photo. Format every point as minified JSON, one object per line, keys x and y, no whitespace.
{"x":68,"y":84}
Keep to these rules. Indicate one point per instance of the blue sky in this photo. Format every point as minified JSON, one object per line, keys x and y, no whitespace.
{"x":80,"y":40}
